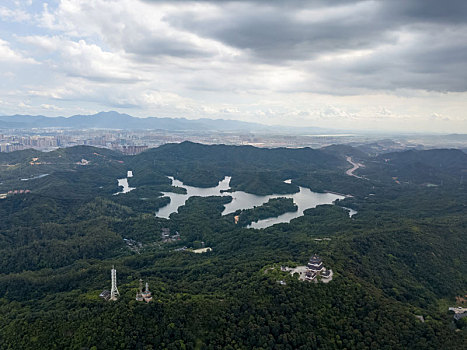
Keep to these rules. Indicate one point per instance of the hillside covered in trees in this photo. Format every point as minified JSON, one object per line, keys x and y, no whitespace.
{"x":402,"y":256}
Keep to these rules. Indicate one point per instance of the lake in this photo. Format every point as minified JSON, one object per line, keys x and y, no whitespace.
{"x":124,"y":183}
{"x":304,"y":199}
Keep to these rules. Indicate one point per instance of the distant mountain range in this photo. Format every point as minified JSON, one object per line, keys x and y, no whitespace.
{"x":115,"y":120}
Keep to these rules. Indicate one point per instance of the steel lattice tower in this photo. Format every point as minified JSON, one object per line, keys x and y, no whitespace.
{"x":114,"y":294}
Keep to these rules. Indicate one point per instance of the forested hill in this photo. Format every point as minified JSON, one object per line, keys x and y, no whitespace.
{"x":231,"y":157}
{"x":344,"y":151}
{"x":448,"y":159}
{"x":254,"y":170}
{"x":70,"y":154}
{"x":437,"y":166}
{"x":398,"y":264}
{"x":246,"y":164}
{"x":79,"y":171}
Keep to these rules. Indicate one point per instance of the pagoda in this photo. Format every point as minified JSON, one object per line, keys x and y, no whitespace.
{"x":315,"y":264}
{"x":147,"y":296}
{"x":143,"y":295}
{"x":139,"y":294}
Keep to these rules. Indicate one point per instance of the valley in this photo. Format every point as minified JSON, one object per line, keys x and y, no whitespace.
{"x":400,"y":257}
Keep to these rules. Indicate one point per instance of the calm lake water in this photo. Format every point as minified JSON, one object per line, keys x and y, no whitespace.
{"x":304,"y":199}
{"x":124,"y":183}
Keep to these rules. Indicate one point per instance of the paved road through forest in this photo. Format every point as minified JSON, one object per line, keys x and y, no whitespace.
{"x":355,"y":166}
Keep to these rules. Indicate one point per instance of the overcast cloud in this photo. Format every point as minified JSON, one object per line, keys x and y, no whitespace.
{"x":387,"y":65}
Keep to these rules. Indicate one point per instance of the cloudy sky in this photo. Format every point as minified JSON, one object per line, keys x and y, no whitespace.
{"x":385,"y":65}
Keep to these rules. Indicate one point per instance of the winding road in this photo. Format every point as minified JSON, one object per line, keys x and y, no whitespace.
{"x":355,"y":166}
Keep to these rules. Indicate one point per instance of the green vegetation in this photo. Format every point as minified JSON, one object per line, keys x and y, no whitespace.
{"x":403,"y":254}
{"x":262,"y":183}
{"x":254,"y":170}
{"x":274,"y":207}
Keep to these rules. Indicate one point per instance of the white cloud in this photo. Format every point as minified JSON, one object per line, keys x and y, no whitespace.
{"x":90,"y":61}
{"x":16,"y":15}
{"x":135,"y":27}
{"x":78,"y":58}
{"x":7,"y":54}
{"x":24,"y":105}
{"x":296,"y":64}
{"x":44,"y":43}
{"x":50,"y":107}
